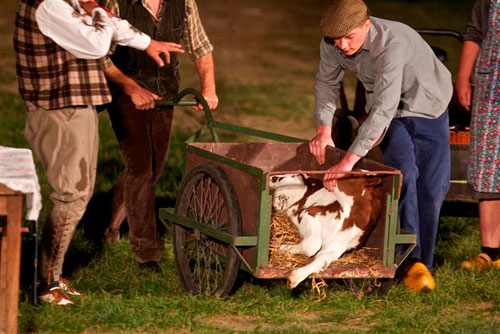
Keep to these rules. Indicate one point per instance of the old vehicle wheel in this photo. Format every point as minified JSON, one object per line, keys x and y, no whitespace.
{"x":369,"y":286}
{"x":206,"y":265}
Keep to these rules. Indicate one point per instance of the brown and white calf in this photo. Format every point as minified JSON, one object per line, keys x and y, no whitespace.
{"x":329,"y":222}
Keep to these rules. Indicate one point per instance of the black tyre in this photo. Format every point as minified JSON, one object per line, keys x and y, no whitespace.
{"x":206,"y":265}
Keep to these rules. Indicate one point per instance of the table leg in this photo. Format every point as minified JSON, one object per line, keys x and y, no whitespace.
{"x":11,"y":207}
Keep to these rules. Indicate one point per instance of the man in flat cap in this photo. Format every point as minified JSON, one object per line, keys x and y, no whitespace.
{"x":407,"y":93}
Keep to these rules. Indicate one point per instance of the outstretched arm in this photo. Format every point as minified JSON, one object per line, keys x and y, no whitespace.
{"x":126,"y":35}
{"x":66,"y":26}
{"x":327,"y":86}
{"x":388,"y":67}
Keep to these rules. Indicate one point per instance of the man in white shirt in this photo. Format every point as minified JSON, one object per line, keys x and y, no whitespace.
{"x":61,"y":79}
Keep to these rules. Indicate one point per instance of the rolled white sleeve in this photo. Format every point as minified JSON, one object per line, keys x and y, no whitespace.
{"x":127,"y":35}
{"x":86,"y":37}
{"x":68,"y":28}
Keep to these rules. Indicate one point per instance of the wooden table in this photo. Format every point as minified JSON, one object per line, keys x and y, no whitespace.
{"x":10,"y":256}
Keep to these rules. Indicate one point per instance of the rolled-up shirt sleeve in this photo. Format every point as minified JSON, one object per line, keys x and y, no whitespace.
{"x":388,"y":66}
{"x":127,"y":35}
{"x":69,"y":29}
{"x":195,"y":39}
{"x":84,"y":36}
{"x":124,"y":33}
{"x":477,"y":27}
{"x":327,"y":84}
{"x":107,"y":62}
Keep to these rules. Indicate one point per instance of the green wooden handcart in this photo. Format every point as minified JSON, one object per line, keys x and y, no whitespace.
{"x":224,"y":206}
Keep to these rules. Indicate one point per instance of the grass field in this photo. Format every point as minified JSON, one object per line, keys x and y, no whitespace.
{"x":266,"y":56}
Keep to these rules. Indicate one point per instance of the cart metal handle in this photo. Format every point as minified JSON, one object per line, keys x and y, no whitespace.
{"x":177,"y":101}
{"x":441,"y":32}
{"x":212,"y":125}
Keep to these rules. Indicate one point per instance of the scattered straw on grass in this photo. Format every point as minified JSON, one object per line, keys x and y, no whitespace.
{"x":319,"y":288}
{"x":283,"y":232}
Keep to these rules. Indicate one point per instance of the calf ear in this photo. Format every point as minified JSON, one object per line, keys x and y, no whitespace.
{"x":304,"y":178}
{"x":313,"y":182}
{"x":372,"y":182}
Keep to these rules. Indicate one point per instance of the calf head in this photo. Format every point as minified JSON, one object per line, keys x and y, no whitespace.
{"x":285,"y":197}
{"x":281,"y":180}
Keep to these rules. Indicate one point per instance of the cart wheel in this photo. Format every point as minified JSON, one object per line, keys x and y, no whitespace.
{"x":369,"y":286}
{"x":383,"y":286}
{"x":206,"y":265}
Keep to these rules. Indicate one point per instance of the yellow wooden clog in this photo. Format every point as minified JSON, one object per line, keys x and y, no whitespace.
{"x":419,"y":279}
{"x":479,"y":262}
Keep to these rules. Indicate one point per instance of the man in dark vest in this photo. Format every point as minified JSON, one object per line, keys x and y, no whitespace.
{"x":142,"y":130}
{"x":59,"y":47}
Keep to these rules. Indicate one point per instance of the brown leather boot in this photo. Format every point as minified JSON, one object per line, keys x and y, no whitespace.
{"x":419,"y":279}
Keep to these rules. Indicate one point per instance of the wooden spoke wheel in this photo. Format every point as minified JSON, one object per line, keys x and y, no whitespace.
{"x":206,"y":265}
{"x":369,"y":286}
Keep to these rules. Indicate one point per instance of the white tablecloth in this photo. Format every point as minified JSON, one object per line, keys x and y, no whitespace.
{"x":18,"y":172}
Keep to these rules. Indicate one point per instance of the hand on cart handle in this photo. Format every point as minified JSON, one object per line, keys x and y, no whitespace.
{"x":142,"y":98}
{"x":210,"y":97}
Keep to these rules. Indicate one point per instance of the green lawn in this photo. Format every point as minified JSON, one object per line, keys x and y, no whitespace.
{"x":266,"y":55}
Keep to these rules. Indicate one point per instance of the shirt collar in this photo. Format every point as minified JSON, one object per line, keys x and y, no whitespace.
{"x":148,"y":8}
{"x":370,"y":36}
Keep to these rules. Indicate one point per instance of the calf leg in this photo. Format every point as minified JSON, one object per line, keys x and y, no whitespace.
{"x":308,"y":247}
{"x":310,"y":231}
{"x":321,"y":262}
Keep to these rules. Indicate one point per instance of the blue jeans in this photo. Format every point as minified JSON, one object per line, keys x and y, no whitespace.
{"x":420,"y":148}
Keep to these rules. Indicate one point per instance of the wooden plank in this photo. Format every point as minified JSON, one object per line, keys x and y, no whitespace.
{"x":3,"y":206}
{"x":10,"y":263}
{"x":345,"y":271}
{"x":23,"y":229}
{"x":4,"y":190}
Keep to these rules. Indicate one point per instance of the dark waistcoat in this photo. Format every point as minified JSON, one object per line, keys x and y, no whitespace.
{"x":49,"y":76}
{"x":163,"y":81}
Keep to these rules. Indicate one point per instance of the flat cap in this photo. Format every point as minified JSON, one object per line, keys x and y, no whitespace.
{"x":341,"y":16}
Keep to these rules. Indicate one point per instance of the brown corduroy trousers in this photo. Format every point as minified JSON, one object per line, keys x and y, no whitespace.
{"x":144,"y":137}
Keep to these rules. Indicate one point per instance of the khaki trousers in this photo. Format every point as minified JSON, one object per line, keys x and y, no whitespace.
{"x":66,"y":142}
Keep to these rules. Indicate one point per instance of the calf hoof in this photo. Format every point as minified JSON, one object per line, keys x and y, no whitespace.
{"x":112,"y":236}
{"x":291,"y":282}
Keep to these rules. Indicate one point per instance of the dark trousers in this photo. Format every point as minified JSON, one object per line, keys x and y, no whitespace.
{"x":144,"y":137}
{"x":420,"y":148}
